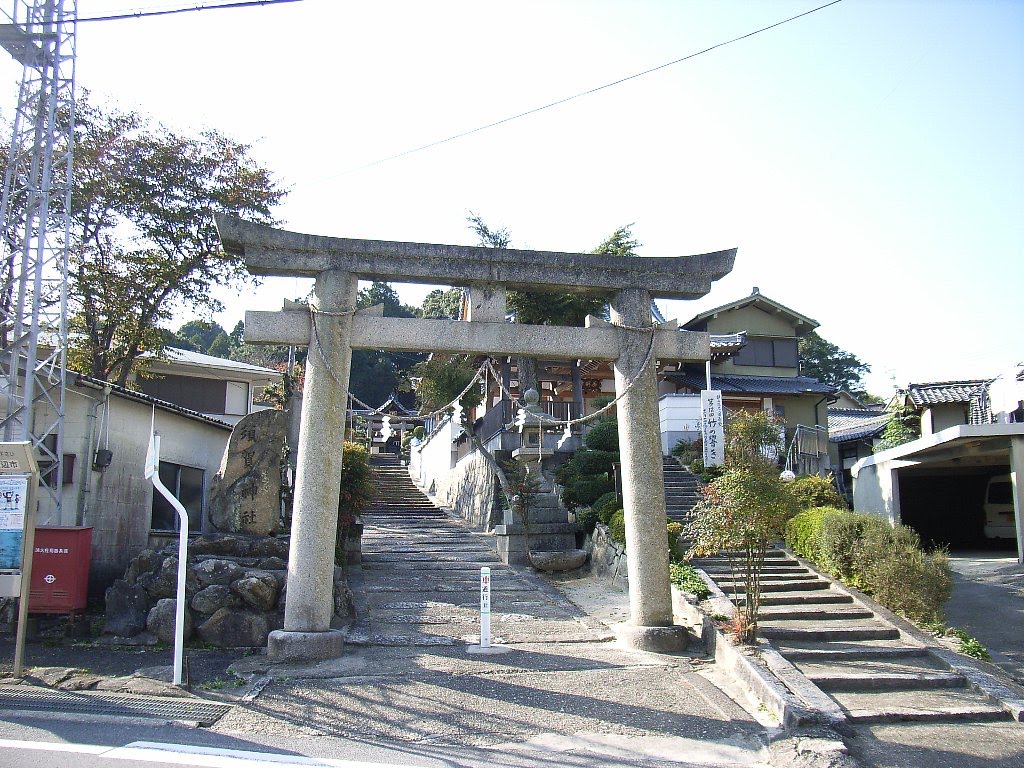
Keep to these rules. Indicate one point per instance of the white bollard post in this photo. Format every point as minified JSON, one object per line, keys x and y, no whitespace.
{"x":485,"y":607}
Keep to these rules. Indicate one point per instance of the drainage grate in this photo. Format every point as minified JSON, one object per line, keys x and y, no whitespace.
{"x":98,"y":703}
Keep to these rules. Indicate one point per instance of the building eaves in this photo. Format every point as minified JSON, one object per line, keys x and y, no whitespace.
{"x":855,"y":424}
{"x":760,"y":300}
{"x":754,"y":385}
{"x":128,"y":394}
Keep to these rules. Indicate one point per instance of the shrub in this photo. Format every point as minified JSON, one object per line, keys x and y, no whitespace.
{"x":803,"y":532}
{"x":685,"y":576}
{"x":585,"y":490}
{"x":745,"y":510}
{"x":603,"y":436}
{"x":816,"y":491}
{"x":885,"y":561}
{"x":675,"y":530}
{"x":840,"y":534}
{"x":586,"y":518}
{"x":687,"y":451}
{"x":609,"y":508}
{"x":419,"y":432}
{"x":603,"y":499}
{"x":357,"y":492}
{"x":591,"y":462}
{"x":617,"y":527}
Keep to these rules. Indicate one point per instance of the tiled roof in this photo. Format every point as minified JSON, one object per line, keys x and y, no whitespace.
{"x":940,"y":392}
{"x":757,"y":385}
{"x":855,"y":423}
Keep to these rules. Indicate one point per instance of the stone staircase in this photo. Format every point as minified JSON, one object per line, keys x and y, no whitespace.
{"x":871,"y":669}
{"x":396,"y":494}
{"x":680,"y":491}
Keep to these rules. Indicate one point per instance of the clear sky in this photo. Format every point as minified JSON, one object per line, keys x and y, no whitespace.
{"x":867,"y":160}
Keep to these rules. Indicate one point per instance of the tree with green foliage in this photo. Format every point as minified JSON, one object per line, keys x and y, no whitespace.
{"x":831,"y":365}
{"x":376,"y":374}
{"x":904,"y":425}
{"x":443,"y":304}
{"x":142,"y":237}
{"x":744,"y":510}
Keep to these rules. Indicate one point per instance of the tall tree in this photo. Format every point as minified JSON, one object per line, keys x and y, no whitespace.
{"x":377,"y":374}
{"x":829,"y":364}
{"x":143,"y":239}
{"x":440,"y":303}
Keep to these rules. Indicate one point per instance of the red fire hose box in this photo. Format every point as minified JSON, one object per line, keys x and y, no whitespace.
{"x":60,"y":570}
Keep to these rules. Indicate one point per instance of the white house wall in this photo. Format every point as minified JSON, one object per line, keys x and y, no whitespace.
{"x":117,"y":501}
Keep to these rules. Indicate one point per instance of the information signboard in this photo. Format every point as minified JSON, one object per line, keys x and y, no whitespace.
{"x":13,"y":500}
{"x":712,"y":426}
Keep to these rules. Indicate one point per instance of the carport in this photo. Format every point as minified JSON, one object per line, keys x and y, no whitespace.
{"x":936,"y":483}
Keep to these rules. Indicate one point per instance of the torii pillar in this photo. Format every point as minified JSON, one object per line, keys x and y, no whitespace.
{"x":333,"y":328}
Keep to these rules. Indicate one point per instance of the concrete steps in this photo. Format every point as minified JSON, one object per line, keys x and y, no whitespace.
{"x":864,"y":663}
{"x":396,"y":494}
{"x":681,"y":491}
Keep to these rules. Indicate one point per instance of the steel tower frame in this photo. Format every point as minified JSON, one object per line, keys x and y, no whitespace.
{"x":35,"y":220}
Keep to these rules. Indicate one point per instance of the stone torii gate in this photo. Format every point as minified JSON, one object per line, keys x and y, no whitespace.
{"x":332,"y":328}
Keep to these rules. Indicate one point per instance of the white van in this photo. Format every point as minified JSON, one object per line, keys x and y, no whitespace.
{"x":998,"y":508}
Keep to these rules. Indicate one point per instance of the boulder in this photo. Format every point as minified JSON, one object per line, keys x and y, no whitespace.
{"x":127,"y":606}
{"x":217,"y":571}
{"x":162,"y":617}
{"x":258,"y":590}
{"x":229,"y":628}
{"x":566,"y":560}
{"x":147,"y":561}
{"x":214,"y":597}
{"x":273,"y":564}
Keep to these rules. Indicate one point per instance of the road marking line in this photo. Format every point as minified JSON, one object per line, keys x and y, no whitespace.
{"x":186,"y":754}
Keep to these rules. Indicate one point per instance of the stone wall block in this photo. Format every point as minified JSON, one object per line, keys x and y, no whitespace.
{"x":161,"y":620}
{"x":229,"y":628}
{"x":217,"y":571}
{"x":127,"y":606}
{"x":216,"y":596}
{"x":257,"y":591}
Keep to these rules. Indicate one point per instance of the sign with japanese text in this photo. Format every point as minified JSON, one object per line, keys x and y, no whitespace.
{"x":13,"y":498}
{"x":712,"y":427}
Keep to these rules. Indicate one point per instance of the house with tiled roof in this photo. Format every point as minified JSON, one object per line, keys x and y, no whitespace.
{"x":755,"y":363}
{"x":941,"y":404}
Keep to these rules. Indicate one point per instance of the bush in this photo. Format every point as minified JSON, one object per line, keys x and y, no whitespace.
{"x":608,"y":508}
{"x":586,"y":519}
{"x":603,"y":436}
{"x":590,"y":462}
{"x":803,"y":533}
{"x":685,"y":576}
{"x":687,"y":451}
{"x":602,"y":500}
{"x":585,"y":490}
{"x":617,"y":527}
{"x":357,"y":492}
{"x":885,"y":561}
{"x":675,"y":530}
{"x":840,"y":534}
{"x":816,"y":491}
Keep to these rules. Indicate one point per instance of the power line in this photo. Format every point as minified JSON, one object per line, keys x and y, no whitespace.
{"x":190,"y":9}
{"x":579,"y":95}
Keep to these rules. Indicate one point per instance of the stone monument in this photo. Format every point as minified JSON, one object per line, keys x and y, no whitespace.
{"x":245,"y":495}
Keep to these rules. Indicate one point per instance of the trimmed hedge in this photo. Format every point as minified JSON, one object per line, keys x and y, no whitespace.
{"x":586,"y":519}
{"x":816,"y":491}
{"x":603,"y":436}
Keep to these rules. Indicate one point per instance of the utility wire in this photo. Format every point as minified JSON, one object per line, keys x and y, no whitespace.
{"x":579,"y":95}
{"x":190,"y":9}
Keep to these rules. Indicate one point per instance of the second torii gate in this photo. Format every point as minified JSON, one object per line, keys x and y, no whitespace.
{"x":332,"y":328}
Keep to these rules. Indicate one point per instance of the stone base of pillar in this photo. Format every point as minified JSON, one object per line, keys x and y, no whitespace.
{"x":671,"y":639}
{"x":304,"y":646}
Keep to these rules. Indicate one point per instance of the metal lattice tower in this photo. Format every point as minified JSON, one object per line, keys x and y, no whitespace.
{"x":34,"y":215}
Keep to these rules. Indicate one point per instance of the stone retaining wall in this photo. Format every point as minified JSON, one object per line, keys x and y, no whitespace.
{"x":235,"y":587}
{"x":607,"y":557}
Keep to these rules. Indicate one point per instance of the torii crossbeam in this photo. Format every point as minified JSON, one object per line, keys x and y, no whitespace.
{"x":333,"y":329}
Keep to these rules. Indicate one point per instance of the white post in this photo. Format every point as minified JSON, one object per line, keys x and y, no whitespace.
{"x":153,"y":473}
{"x":485,"y":607}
